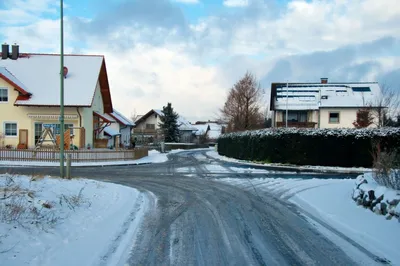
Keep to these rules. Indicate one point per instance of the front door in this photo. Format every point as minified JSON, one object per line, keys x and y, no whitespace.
{"x":23,"y":137}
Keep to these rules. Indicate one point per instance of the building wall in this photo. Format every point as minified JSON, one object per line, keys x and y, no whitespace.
{"x":126,"y":135}
{"x":153,"y":119}
{"x":26,"y":117}
{"x":346,"y":118}
{"x":111,"y":140}
{"x":87,"y":114}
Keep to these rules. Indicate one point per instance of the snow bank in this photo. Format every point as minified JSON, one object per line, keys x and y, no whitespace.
{"x":321,"y":169}
{"x":67,"y":222}
{"x":153,"y":157}
{"x":379,"y":199}
{"x":329,"y":201}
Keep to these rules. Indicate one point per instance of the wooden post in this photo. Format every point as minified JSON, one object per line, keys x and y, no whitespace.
{"x":69,"y":159}
{"x":117,"y":141}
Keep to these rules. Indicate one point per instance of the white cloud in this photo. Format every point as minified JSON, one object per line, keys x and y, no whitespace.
{"x":236,"y":3}
{"x":149,"y":66}
{"x":187,"y":1}
{"x":146,"y":77}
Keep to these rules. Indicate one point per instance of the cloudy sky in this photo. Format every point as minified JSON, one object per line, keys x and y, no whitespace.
{"x":190,"y":52}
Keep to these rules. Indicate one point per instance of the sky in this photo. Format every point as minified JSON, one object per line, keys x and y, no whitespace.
{"x":191,"y":52}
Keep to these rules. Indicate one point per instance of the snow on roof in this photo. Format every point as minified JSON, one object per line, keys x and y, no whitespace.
{"x":111,"y":131}
{"x":4,"y":71}
{"x":106,"y":117}
{"x":40,"y":73}
{"x":213,"y":133}
{"x":303,"y":96}
{"x":185,"y":124}
{"x":201,"y":129}
{"x":122,"y":119}
{"x":182,"y":122}
{"x":215,"y":130}
{"x":159,"y":112}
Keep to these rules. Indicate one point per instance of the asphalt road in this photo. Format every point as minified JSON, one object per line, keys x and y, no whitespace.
{"x":199,"y":221}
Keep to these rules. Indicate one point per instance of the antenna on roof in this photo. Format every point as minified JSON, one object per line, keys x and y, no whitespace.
{"x":65,"y":72}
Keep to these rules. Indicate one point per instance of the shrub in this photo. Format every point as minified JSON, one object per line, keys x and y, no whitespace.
{"x":325,"y":147}
{"x":386,"y":167}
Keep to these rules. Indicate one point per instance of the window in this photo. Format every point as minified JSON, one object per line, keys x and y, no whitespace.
{"x":10,"y":129}
{"x":150,"y":126}
{"x":38,"y":131}
{"x":334,"y":118}
{"x":295,"y":116}
{"x":56,"y":128}
{"x":3,"y":95}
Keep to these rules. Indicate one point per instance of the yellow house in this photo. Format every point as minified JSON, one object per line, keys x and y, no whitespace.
{"x":30,"y":97}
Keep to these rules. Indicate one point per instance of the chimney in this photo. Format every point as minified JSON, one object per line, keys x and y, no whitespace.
{"x":5,"y":50}
{"x":15,"y":52}
{"x":324,"y":80}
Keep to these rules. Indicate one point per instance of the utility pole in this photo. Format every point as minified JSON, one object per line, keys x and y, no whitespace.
{"x":287,"y":98}
{"x":62,"y":91}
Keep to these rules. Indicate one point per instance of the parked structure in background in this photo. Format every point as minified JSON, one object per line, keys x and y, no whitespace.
{"x":321,"y":105}
{"x":120,"y":132}
{"x":30,"y":102}
{"x":147,"y":129}
{"x":208,"y":131}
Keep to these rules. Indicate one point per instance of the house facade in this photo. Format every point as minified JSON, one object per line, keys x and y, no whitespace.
{"x":147,"y":129}
{"x":208,"y":131}
{"x":321,"y":105}
{"x":30,"y":98}
{"x":122,"y":127}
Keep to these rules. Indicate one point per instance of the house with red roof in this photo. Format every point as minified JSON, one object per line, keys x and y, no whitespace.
{"x":30,"y":98}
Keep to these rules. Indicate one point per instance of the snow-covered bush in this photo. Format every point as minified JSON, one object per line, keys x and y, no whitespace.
{"x":346,"y":147}
{"x":379,"y":199}
{"x":386,"y":167}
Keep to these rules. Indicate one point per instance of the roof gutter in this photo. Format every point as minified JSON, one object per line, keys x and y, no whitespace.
{"x":80,"y":117}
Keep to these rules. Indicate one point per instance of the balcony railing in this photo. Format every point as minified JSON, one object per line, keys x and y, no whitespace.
{"x":297,"y":124}
{"x":145,"y":131}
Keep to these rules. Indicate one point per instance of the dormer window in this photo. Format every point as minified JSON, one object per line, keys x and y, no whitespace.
{"x":3,"y":95}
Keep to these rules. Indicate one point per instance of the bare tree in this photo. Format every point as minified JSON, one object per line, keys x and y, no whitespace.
{"x":134,"y":115}
{"x":241,"y":110}
{"x":385,"y":106}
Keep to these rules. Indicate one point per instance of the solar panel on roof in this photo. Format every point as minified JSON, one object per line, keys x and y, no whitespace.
{"x":361,"y":89}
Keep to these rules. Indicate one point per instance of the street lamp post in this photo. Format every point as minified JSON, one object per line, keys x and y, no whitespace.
{"x":287,"y":97}
{"x":62,"y":90}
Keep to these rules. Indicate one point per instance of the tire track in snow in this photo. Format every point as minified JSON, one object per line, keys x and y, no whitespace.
{"x":125,"y":238}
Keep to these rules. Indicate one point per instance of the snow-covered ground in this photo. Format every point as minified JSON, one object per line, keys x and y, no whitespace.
{"x":154,"y":157}
{"x":214,"y":154}
{"x":52,"y":221}
{"x":330,"y":200}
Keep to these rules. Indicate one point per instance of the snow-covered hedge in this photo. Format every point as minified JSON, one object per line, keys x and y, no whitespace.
{"x":326,"y":147}
{"x":378,"y":199}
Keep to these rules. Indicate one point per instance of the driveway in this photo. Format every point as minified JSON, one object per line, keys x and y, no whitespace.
{"x":199,"y":221}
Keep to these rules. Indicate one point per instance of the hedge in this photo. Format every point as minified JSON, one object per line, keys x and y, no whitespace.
{"x":324,"y":147}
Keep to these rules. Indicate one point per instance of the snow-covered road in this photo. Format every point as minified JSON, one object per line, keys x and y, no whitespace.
{"x":202,"y":211}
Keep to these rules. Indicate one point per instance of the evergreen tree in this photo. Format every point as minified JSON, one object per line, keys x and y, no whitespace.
{"x":169,"y":124}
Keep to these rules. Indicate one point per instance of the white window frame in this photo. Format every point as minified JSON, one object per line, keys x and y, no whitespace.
{"x":4,"y":127}
{"x":8,"y":95}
